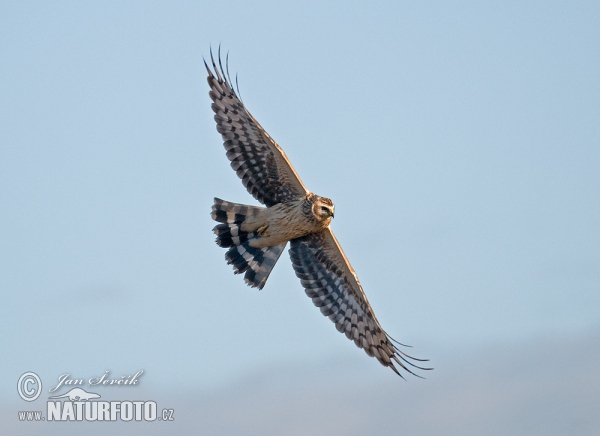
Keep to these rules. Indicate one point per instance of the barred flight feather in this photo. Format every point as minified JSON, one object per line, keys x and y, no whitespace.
{"x":340,"y":297}
{"x":256,"y":158}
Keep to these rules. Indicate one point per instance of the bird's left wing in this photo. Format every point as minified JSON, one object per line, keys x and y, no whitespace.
{"x":257,"y":159}
{"x":332,"y":284}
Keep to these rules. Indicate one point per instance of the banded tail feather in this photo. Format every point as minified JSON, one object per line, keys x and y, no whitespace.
{"x":232,"y":215}
{"x":256,"y":263}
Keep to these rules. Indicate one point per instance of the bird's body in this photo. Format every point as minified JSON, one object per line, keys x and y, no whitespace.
{"x":256,"y":236}
{"x":283,"y":222}
{"x":246,"y":228}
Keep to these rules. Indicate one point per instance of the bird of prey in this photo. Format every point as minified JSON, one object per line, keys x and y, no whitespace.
{"x":255,"y":236}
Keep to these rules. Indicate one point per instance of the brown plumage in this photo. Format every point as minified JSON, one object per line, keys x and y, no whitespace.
{"x":256,"y":236}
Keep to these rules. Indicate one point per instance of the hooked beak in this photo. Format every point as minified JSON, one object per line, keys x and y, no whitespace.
{"x":332,"y":212}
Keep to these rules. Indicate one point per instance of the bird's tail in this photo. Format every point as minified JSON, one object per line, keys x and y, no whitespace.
{"x":257,"y":263}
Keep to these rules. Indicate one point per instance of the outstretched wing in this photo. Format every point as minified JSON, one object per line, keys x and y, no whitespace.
{"x":333,"y":286}
{"x":262,"y":165}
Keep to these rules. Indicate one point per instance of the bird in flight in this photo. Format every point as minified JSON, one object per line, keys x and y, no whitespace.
{"x":255,"y":236}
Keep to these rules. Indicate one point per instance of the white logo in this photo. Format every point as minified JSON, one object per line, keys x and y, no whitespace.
{"x":25,"y":391}
{"x":77,"y":404}
{"x":77,"y":394}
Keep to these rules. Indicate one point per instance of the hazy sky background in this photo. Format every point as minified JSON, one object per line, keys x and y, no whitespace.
{"x":460,"y":142}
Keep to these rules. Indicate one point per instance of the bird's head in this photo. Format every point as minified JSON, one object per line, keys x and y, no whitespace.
{"x":323,"y":209}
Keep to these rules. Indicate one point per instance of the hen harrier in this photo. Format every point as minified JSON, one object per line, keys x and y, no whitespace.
{"x":256,"y":236}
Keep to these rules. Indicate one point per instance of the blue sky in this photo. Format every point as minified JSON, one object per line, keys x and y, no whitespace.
{"x":458,"y":140}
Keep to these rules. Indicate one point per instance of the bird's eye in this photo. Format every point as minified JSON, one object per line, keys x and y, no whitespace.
{"x":324,"y":209}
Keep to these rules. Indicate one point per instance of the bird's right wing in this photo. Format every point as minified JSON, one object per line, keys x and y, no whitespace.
{"x":262,"y":165}
{"x":332,"y":284}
